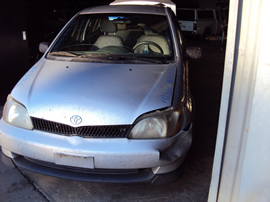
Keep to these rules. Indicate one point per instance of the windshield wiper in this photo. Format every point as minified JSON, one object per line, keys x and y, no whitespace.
{"x":148,"y":60}
{"x":92,"y":56}
{"x":62,"y":53}
{"x":121,"y":57}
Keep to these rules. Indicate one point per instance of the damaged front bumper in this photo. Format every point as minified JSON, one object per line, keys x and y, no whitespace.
{"x":97,"y":160}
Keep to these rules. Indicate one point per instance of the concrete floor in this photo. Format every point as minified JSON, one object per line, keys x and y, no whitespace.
{"x":205,"y":82}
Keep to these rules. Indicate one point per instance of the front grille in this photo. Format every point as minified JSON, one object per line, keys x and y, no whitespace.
{"x":111,"y":131}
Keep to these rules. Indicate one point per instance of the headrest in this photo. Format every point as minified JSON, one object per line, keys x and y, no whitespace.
{"x":122,"y":26}
{"x":149,"y":31}
{"x":108,"y":26}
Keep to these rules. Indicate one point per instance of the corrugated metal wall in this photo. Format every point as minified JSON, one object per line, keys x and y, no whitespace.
{"x":241,"y":164}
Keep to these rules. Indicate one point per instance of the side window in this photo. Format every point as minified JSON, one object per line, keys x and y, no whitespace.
{"x":94,"y":25}
{"x":93,"y":29}
{"x":205,"y":15}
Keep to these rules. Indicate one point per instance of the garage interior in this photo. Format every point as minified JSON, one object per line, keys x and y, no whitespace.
{"x":27,"y":23}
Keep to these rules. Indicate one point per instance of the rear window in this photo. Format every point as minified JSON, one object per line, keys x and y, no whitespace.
{"x":185,"y":15}
{"x":205,"y":15}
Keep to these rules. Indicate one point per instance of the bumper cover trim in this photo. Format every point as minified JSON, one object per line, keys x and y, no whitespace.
{"x":143,"y":176}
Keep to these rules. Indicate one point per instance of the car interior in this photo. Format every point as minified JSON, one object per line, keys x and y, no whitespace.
{"x":131,"y":34}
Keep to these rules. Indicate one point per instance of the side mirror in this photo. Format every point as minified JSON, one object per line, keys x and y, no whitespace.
{"x":193,"y":52}
{"x":43,"y":46}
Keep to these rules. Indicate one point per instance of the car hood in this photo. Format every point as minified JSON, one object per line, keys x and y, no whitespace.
{"x":100,"y":93}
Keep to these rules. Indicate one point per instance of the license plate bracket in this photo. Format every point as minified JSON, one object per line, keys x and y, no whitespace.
{"x":75,"y":160}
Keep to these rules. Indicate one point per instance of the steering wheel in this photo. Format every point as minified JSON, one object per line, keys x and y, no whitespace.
{"x":147,"y":43}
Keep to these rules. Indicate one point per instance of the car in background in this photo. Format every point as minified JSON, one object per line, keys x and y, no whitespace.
{"x":109,"y":101}
{"x":200,"y":21}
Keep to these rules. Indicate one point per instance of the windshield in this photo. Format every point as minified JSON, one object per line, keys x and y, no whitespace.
{"x":117,"y":37}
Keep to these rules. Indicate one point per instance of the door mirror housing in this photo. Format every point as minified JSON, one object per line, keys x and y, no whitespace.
{"x":43,"y":46}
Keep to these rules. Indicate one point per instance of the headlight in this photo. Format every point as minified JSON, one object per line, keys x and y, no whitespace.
{"x":16,"y":114}
{"x":154,"y":127}
{"x":159,"y":124}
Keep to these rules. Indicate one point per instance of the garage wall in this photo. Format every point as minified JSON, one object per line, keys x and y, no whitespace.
{"x":241,"y":163}
{"x":14,"y":58}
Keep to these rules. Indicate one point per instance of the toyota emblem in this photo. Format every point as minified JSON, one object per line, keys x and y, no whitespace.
{"x":76,"y":120}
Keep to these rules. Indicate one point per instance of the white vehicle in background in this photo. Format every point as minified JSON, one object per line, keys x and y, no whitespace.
{"x":199,"y":21}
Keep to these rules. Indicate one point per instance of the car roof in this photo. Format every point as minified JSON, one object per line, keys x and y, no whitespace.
{"x":143,"y":9}
{"x":141,"y":2}
{"x":166,"y":3}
